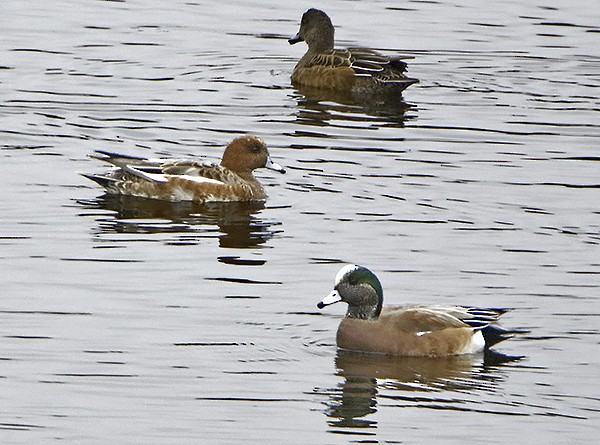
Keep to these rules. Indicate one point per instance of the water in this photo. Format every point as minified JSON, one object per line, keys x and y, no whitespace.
{"x":125,"y":320}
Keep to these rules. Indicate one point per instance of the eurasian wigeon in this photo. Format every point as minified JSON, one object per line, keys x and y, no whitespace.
{"x":417,"y":331}
{"x":357,"y":70}
{"x":190,"y":180}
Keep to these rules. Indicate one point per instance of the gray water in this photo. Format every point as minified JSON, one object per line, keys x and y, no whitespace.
{"x":132,"y":321}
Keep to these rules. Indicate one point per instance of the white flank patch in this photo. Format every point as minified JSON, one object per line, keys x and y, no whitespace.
{"x":187,"y":193}
{"x":477,"y":343}
{"x":343,"y":271}
{"x":179,"y":194}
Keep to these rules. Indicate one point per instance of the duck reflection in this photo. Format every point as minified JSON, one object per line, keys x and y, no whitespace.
{"x":318,"y":106}
{"x":236,"y":224}
{"x":365,"y":375}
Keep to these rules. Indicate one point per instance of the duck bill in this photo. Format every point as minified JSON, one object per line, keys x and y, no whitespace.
{"x":273,"y":166}
{"x":333,"y":297}
{"x":295,"y":39}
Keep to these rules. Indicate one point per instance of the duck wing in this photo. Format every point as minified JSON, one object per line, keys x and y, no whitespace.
{"x":334,"y":58}
{"x":118,"y":159}
{"x":435,"y":318}
{"x":388,"y":70}
{"x":159,"y":170}
{"x":362,"y":61}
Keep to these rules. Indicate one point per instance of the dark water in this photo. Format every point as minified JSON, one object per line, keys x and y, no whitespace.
{"x":125,"y":320}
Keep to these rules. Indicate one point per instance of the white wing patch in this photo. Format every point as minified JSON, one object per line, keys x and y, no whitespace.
{"x":197,"y":179}
{"x":153,"y":177}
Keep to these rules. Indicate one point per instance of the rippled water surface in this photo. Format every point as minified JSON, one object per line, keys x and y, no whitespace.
{"x":127,"y":320}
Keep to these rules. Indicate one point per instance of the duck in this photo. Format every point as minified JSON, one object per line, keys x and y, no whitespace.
{"x":198,"y":181}
{"x":356,"y":70}
{"x":412,"y":331}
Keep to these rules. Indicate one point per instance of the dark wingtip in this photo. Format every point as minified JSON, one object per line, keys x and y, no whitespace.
{"x":99,"y":179}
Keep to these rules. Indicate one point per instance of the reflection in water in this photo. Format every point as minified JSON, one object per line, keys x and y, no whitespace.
{"x":366,"y":375}
{"x":318,"y":106}
{"x":235,"y":223}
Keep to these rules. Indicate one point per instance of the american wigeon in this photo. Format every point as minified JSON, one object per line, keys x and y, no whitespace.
{"x":417,"y":331}
{"x":189,"y":180}
{"x":357,"y":70}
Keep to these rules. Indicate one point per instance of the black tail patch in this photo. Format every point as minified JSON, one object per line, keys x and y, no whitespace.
{"x":494,"y":334}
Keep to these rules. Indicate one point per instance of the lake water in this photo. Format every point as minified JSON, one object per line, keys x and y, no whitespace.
{"x":131,"y":321}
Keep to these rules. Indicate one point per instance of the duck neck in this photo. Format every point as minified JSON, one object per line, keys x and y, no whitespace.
{"x":323,"y":42}
{"x":246,"y":175}
{"x":366,"y":305}
{"x":362,"y":313}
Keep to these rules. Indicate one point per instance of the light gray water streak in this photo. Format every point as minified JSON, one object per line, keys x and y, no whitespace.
{"x":128,"y":320}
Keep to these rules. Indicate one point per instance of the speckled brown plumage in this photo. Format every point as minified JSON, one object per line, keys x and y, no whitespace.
{"x":190,"y":180}
{"x":354,"y":69}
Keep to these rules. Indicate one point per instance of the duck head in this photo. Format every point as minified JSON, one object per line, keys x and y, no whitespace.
{"x":247,"y":153}
{"x":316,"y":30}
{"x":360,"y":289}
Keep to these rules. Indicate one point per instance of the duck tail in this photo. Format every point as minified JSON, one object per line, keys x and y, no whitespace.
{"x":494,"y":334}
{"x":398,"y":64}
{"x":401,"y":83}
{"x":104,"y":181}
